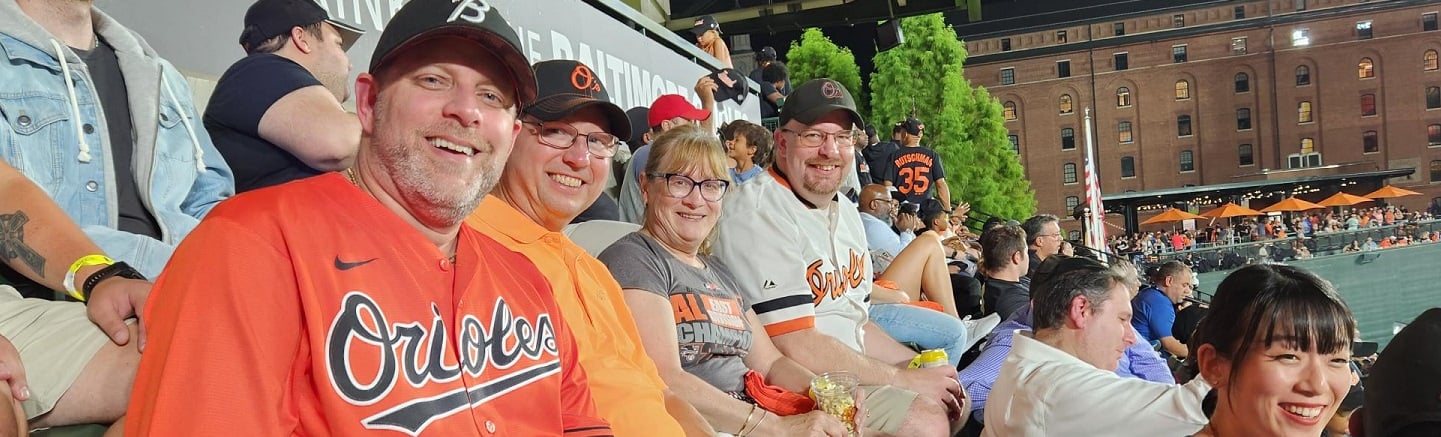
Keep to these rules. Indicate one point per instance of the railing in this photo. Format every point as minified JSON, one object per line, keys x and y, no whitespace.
{"x":771,"y":123}
{"x":1208,"y":257}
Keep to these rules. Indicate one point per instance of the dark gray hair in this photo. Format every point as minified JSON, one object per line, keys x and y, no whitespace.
{"x":1166,"y":270}
{"x":1034,"y":226}
{"x":1051,"y":299}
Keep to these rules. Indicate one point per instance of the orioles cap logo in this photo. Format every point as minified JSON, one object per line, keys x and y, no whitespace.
{"x":831,"y":90}
{"x":583,"y":79}
{"x":469,"y":10}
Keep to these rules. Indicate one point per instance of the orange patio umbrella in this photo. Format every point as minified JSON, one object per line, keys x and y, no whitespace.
{"x":1291,"y":204}
{"x":1389,"y":191}
{"x":1343,"y":199}
{"x":1231,"y":210}
{"x":1171,"y":215}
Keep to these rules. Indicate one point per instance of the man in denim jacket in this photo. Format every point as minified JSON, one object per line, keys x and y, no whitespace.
{"x":107,"y":128}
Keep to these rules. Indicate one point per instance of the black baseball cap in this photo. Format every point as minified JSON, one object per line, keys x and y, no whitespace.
{"x":565,"y":86}
{"x":419,"y":20}
{"x":730,"y":85}
{"x":268,"y":19}
{"x":639,"y":124}
{"x":704,"y":23}
{"x":1404,"y":389}
{"x":816,"y":98}
{"x":912,"y":125}
{"x":767,"y":53}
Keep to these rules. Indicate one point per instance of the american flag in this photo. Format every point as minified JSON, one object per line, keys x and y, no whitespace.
{"x":1095,"y":219}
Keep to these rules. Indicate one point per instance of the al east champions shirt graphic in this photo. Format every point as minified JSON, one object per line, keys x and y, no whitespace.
{"x":369,"y":354}
{"x":707,"y":325}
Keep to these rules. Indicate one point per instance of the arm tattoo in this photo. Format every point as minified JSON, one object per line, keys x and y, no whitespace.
{"x":12,"y":242}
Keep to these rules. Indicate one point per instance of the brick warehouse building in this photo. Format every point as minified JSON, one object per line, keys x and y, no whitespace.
{"x":1220,"y":93}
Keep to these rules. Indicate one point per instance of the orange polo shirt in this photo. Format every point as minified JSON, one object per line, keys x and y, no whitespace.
{"x":623,"y":380}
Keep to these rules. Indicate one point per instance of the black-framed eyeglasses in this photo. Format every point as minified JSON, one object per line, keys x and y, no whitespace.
{"x":811,"y":138}
{"x":562,"y":136}
{"x":679,"y":186}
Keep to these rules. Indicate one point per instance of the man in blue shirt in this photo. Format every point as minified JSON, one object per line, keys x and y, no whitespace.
{"x":878,"y":214}
{"x":1154,"y":307}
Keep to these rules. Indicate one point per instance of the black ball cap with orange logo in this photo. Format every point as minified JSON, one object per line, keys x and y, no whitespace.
{"x":566,"y":86}
{"x":477,"y":20}
{"x":913,"y":126}
{"x":817,"y":98}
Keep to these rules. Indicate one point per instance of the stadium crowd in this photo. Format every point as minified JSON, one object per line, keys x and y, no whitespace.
{"x":487,"y":246}
{"x":1249,"y":230}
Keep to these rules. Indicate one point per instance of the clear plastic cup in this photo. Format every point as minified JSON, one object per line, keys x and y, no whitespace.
{"x":835,"y":393}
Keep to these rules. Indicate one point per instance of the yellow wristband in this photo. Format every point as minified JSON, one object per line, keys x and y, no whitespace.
{"x":84,"y":261}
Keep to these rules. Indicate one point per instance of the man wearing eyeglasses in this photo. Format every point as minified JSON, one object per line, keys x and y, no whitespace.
{"x":557,"y":169}
{"x":916,"y":170}
{"x":800,"y":252}
{"x":1043,"y":239}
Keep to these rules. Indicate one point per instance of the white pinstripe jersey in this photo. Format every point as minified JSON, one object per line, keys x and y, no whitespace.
{"x":800,"y":267}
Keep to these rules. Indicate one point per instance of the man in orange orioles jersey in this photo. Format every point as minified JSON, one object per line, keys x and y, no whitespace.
{"x":559,"y":167}
{"x":349,"y":306}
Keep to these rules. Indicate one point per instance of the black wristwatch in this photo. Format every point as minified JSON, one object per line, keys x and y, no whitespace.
{"x":120,"y":269}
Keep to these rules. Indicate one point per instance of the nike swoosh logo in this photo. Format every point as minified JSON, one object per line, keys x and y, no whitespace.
{"x":342,"y":265}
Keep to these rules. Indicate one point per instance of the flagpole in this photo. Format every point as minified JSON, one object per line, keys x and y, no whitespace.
{"x":1094,"y":221}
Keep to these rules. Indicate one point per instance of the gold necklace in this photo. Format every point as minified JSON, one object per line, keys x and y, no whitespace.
{"x":350,"y":175}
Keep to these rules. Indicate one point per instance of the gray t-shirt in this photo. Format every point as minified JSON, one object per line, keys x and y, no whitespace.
{"x":710,"y":323}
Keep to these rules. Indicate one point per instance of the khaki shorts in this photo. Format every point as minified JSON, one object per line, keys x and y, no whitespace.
{"x":55,"y":339}
{"x":886,"y":407}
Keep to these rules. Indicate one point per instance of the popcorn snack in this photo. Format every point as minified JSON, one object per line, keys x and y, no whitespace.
{"x":835,"y":393}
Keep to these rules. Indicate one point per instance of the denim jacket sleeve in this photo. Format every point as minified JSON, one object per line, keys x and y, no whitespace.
{"x":216,"y":182}
{"x":145,"y":254}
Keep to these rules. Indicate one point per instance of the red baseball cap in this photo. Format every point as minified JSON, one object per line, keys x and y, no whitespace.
{"x":671,"y":106}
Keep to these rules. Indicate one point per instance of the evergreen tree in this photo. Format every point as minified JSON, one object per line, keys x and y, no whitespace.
{"x":924,"y":77}
{"x":815,"y":56}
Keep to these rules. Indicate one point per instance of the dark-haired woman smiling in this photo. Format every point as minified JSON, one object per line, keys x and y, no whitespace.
{"x":1276,"y":345}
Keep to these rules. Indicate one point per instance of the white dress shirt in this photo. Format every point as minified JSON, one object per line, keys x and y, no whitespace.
{"x":1044,"y":391}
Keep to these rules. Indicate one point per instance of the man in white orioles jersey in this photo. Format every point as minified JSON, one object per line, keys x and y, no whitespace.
{"x":800,"y":252}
